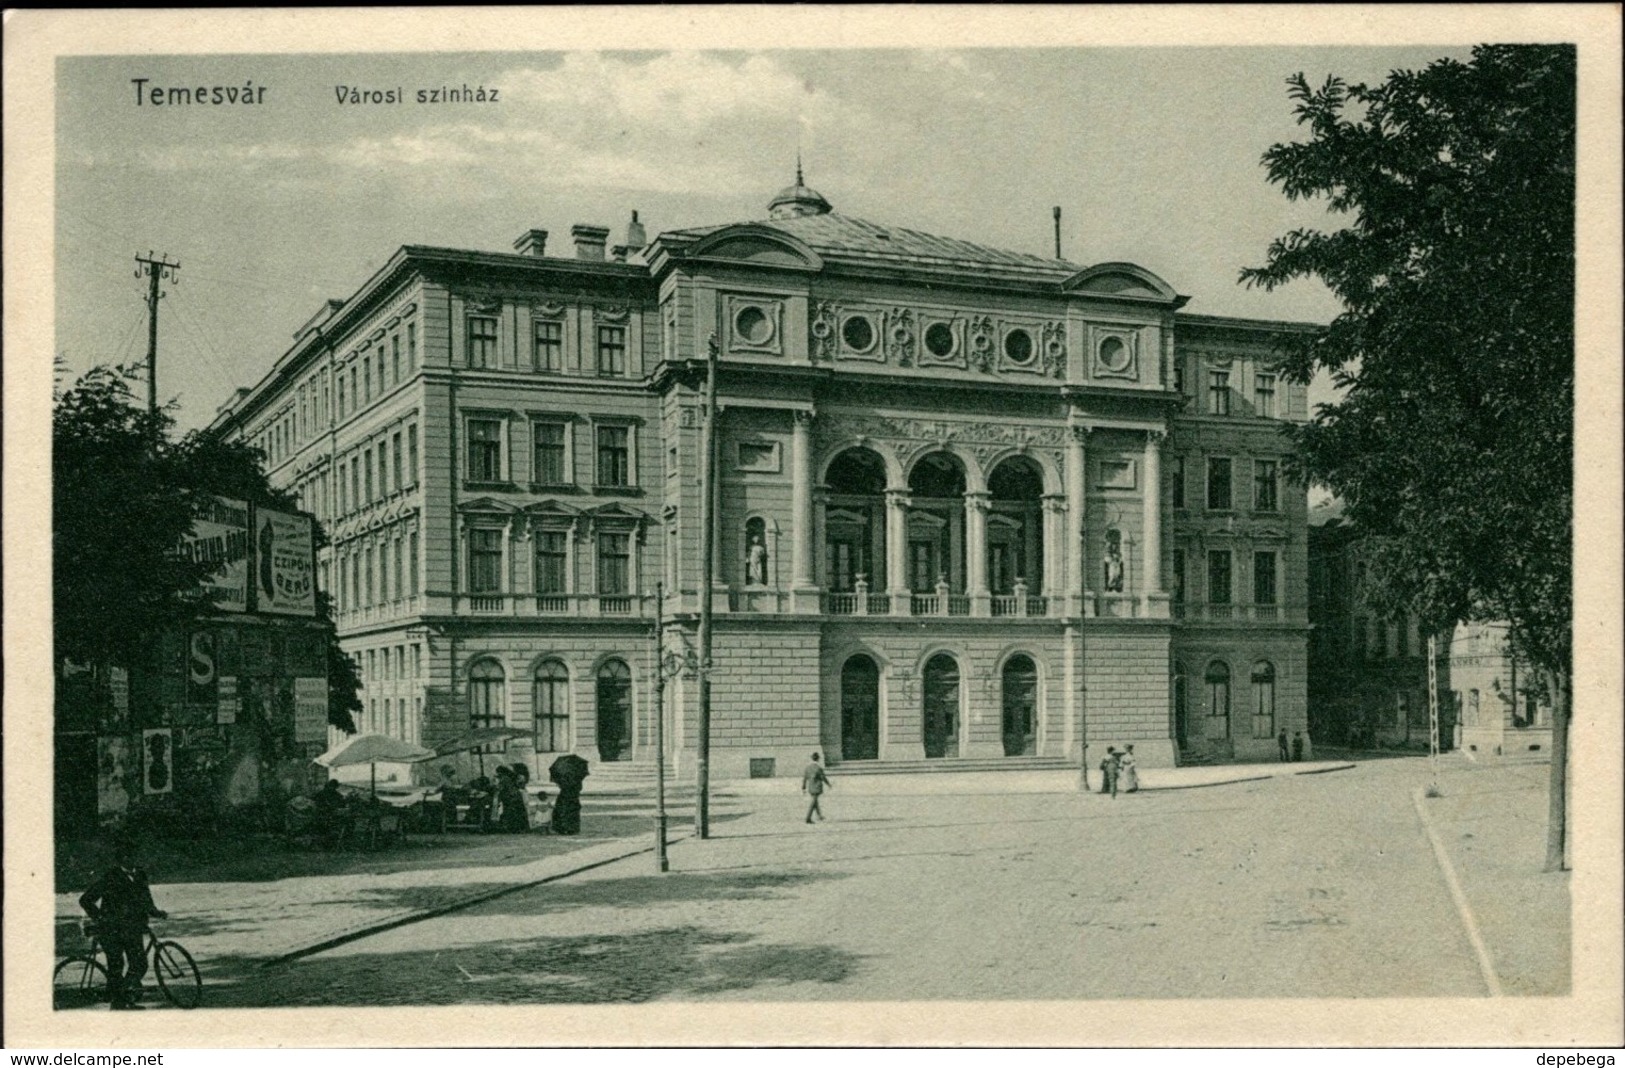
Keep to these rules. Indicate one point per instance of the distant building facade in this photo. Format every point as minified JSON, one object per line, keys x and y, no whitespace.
{"x":1502,"y":707}
{"x":974,"y":504}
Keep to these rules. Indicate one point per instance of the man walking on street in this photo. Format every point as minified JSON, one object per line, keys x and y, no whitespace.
{"x":1280,"y":740}
{"x":813,"y":781}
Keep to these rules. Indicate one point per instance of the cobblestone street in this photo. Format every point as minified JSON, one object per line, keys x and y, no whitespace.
{"x":1304,"y":886}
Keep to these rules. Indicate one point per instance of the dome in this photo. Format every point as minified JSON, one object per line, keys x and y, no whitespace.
{"x":796,"y":200}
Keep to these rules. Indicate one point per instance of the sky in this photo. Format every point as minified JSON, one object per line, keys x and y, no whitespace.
{"x":1152,"y":153}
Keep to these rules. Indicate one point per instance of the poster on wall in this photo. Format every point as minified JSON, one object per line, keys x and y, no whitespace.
{"x":310,"y":710}
{"x":112,"y":775}
{"x":157,"y":762}
{"x":285,"y":563}
{"x":220,"y":536}
{"x":202,"y":669}
{"x":228,"y":704}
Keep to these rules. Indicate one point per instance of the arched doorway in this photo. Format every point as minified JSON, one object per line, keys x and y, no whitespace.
{"x":940,"y":719}
{"x":1015,"y":526}
{"x":1020,"y":687}
{"x":614,"y":710}
{"x":855,"y":521}
{"x":860,"y":709}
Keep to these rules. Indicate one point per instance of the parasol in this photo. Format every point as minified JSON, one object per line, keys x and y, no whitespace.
{"x":373,"y":749}
{"x":477,"y":739}
{"x":568,"y":770}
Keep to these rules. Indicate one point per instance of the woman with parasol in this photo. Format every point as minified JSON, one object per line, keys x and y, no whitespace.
{"x":569,"y":772}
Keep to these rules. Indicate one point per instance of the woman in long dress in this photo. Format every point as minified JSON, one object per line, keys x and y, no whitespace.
{"x":1128,"y":778}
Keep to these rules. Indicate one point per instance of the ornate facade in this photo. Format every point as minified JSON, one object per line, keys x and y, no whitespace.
{"x":973,"y":504}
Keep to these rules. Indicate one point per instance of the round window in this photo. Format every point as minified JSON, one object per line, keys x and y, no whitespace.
{"x":753,"y":326}
{"x":1018,"y":345}
{"x":858,"y":333}
{"x":1114,"y":355}
{"x":939,"y":339}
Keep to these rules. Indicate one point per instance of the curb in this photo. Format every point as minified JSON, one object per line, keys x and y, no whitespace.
{"x":1230,"y":782}
{"x":380,"y":926}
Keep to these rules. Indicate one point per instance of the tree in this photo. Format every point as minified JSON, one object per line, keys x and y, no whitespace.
{"x":123,"y":496}
{"x":1452,"y":441}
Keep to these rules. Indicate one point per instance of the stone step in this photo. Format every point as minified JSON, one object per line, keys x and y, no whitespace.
{"x":952,"y":764}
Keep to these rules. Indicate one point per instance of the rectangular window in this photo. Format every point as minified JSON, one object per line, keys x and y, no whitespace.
{"x":400,"y":589}
{"x":548,"y":352}
{"x":482,"y":341}
{"x":922,"y":566}
{"x":341,"y":396}
{"x":1176,"y":477}
{"x":412,"y":455}
{"x":841,"y":566}
{"x":412,"y":564}
{"x":552,"y":557}
{"x":395,"y":456}
{"x":411,"y":345}
{"x":355,"y":388}
{"x":370,"y":594}
{"x":614,"y":456}
{"x":1218,"y":576}
{"x":383,"y":581}
{"x":1179,"y":576}
{"x":1179,"y":375}
{"x":366,"y":375}
{"x":612,"y":351}
{"x":355,"y":481}
{"x":485,"y":450}
{"x":344,"y":491}
{"x":395,"y":357}
{"x":549,"y":468}
{"x":366,"y":470}
{"x":1218,"y":393}
{"x":484,"y":561}
{"x":614,"y":563}
{"x":1264,"y":396}
{"x":1218,"y":484}
{"x":1265,"y":478}
{"x":1264,"y":578}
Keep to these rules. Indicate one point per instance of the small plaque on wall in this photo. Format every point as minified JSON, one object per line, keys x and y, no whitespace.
{"x":1117,"y":474}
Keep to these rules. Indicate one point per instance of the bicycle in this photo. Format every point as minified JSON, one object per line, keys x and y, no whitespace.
{"x":80,"y":981}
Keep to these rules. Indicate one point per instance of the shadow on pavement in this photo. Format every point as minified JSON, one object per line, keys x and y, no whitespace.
{"x":592,"y":969}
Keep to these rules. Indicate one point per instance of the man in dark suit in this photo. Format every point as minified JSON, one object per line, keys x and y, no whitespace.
{"x":120,"y":902}
{"x":813,"y":781}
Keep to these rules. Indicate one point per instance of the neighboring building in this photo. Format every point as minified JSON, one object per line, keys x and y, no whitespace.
{"x":974,"y":503}
{"x":1503,"y":708}
{"x":1368,"y":675}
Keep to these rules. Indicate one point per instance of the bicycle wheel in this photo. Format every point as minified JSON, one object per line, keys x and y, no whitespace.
{"x":78,"y":983}
{"x":177,"y":975}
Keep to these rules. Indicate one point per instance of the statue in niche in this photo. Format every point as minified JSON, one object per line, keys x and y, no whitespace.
{"x":1113,"y":564}
{"x":755,"y":555}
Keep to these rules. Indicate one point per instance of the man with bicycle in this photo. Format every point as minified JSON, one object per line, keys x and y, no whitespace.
{"x":119,"y":902}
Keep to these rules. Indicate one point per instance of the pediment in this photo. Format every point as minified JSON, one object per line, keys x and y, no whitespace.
{"x":559,"y":508}
{"x":489,"y":505}
{"x":759,"y":245}
{"x":1120,"y":280}
{"x":616,"y":510}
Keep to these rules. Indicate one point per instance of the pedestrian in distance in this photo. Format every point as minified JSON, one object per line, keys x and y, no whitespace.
{"x":813,"y":780}
{"x":1297,"y":745}
{"x":1128,"y":778}
{"x":1108,"y":772}
{"x":119,"y":902}
{"x":1280,"y":740}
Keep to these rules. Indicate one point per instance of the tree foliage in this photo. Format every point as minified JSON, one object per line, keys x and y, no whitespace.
{"x":1452,"y":440}
{"x":124,"y":495}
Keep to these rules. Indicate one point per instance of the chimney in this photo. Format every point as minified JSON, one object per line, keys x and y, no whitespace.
{"x":1057,"y":210}
{"x":589,"y":241}
{"x":531,"y":243}
{"x":635,"y":237}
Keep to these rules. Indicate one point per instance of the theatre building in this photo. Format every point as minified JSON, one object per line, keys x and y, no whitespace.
{"x":974,"y":505}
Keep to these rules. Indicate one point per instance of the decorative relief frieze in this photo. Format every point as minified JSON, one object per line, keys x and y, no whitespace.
{"x":824,"y":320}
{"x":981,"y":343}
{"x":836,"y":429}
{"x":1054,"y":349}
{"x":610,"y":313}
{"x":547,"y":309}
{"x":900,"y":336}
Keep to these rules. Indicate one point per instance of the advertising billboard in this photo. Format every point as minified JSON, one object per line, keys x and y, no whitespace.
{"x":285,"y":564}
{"x":220,"y":534}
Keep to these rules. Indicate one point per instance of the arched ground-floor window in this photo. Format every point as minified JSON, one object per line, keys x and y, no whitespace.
{"x":860,"y":709}
{"x":940,"y":711}
{"x":1217,"y":680}
{"x":487,"y":699}
{"x":1263,"y":699}
{"x":614,"y":700}
{"x":1020,"y":699}
{"x":551,"y":707}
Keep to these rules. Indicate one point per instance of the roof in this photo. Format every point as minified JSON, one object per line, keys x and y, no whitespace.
{"x":844,"y":239}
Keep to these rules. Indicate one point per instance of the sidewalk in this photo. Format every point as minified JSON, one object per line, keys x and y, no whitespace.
{"x":1034,"y":782}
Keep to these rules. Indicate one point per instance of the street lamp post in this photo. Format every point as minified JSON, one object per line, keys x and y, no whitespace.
{"x":660,"y":726}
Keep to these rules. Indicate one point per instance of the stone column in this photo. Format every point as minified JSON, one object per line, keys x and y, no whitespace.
{"x":804,"y":593}
{"x":976,"y":505}
{"x":1156,"y":601}
{"x":1052,"y":584}
{"x":1077,"y":584}
{"x":897,"y":549}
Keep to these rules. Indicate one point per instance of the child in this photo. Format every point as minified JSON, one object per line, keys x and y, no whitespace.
{"x":119,"y":901}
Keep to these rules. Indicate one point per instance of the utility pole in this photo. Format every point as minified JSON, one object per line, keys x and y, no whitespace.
{"x":708,"y":541}
{"x":660,"y":726}
{"x":155,"y":270}
{"x":1433,"y":714}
